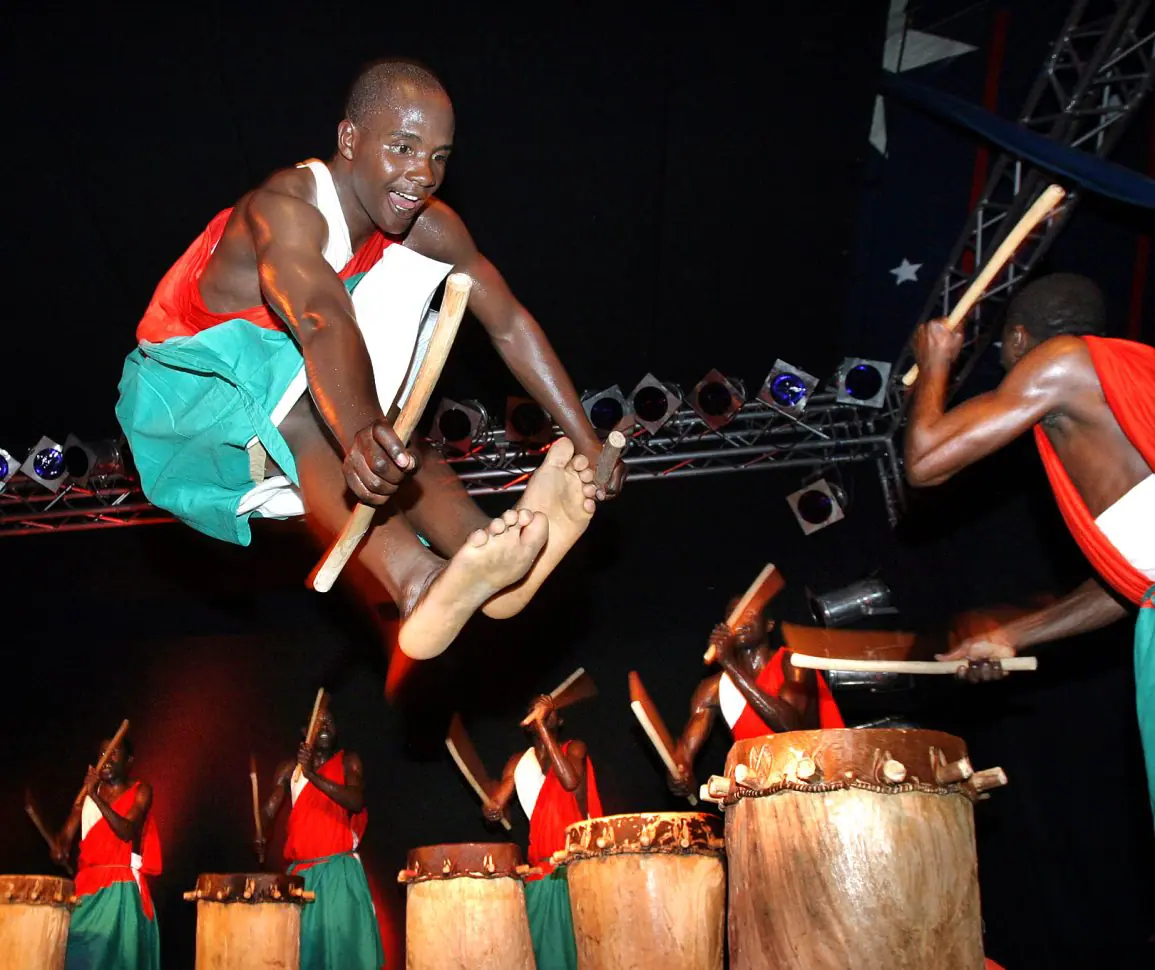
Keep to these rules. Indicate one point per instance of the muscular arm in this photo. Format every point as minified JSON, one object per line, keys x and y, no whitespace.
{"x":67,"y":833}
{"x":351,"y":795}
{"x":516,"y":335}
{"x":502,"y":792}
{"x":126,"y":827}
{"x":570,"y":769}
{"x":272,"y":807}
{"x":940,"y":443}
{"x":289,"y":238}
{"x":703,"y":713}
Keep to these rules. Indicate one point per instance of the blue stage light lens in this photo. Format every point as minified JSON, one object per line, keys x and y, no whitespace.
{"x":48,"y":463}
{"x":787,"y":390}
{"x":863,"y":381}
{"x":815,"y":507}
{"x":605,"y":414}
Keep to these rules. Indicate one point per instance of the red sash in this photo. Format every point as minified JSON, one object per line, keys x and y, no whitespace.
{"x":556,"y":809}
{"x":1126,"y":373}
{"x":771,"y":680}
{"x":106,"y":859}
{"x":177,"y":310}
{"x":318,"y":826}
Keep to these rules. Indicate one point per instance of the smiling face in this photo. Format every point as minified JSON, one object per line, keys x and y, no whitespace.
{"x":398,"y":152}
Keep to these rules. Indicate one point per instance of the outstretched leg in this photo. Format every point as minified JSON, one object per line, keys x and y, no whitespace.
{"x":435,"y":597}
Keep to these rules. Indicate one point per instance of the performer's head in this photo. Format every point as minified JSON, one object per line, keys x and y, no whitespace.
{"x":1062,"y":303}
{"x":396,"y":137}
{"x":754,"y":633}
{"x":326,"y":740}
{"x":117,"y":767}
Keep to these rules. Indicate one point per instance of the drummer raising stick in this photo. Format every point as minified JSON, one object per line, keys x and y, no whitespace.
{"x":113,"y":926}
{"x":758,"y":691}
{"x":556,"y":787}
{"x":326,"y":824}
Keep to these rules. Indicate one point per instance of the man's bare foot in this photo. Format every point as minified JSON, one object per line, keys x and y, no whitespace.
{"x":491,"y":559}
{"x":563,"y":488}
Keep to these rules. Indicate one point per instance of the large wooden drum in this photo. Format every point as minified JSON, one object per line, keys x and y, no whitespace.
{"x":853,"y":850}
{"x":34,"y":916}
{"x":465,"y":908}
{"x":647,"y":891}
{"x":249,"y":921}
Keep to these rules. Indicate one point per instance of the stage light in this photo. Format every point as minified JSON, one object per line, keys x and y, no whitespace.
{"x":654,"y":403}
{"x":525,"y":421}
{"x":459,"y":426}
{"x":787,"y":389}
{"x":716,"y":399}
{"x":9,"y":466}
{"x":87,"y":460}
{"x":862,"y":382}
{"x":817,"y":505}
{"x":867,"y":597}
{"x":45,"y":464}
{"x":608,"y":410}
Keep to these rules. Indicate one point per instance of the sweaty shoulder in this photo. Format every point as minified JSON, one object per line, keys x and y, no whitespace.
{"x":1061,"y":371}
{"x":440,"y":233}
{"x":706,"y":694}
{"x":285,"y":203}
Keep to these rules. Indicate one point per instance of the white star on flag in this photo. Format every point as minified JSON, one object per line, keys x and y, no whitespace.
{"x":906,"y":50}
{"x":906,"y":272}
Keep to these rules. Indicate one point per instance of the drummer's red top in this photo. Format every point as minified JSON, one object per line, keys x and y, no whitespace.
{"x":106,"y":859}
{"x":177,"y":310}
{"x":1126,"y":370}
{"x":554,"y":811}
{"x":771,"y":679}
{"x":318,"y":826}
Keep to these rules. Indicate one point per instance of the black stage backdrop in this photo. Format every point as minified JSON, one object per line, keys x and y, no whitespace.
{"x":665,"y":194}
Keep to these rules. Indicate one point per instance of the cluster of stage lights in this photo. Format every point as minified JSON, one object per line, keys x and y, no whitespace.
{"x":462,"y":428}
{"x":76,"y":462}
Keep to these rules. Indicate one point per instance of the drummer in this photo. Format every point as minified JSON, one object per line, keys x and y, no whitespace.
{"x":556,"y":787}
{"x":113,"y":926}
{"x":327,"y":821}
{"x":759,"y":691}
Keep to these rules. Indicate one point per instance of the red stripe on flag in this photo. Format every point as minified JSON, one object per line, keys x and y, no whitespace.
{"x":995,"y":58}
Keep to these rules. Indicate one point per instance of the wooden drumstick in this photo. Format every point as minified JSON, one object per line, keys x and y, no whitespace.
{"x":1014,"y":664}
{"x":448,"y":320}
{"x":107,"y":753}
{"x":311,"y":733}
{"x":611,"y":452}
{"x":43,"y":830}
{"x":256,"y":806}
{"x":1044,"y":204}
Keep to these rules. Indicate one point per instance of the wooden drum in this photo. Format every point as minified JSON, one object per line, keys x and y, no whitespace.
{"x":249,"y":921}
{"x":34,"y":916}
{"x":853,"y":850}
{"x":465,"y":908}
{"x":647,"y":891}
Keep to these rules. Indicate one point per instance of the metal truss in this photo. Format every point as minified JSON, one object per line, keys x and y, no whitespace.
{"x":758,"y":438}
{"x":1097,"y":74}
{"x":828,"y":434}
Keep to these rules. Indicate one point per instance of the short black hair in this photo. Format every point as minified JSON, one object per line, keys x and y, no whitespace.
{"x":1062,"y":303}
{"x":379,"y":76}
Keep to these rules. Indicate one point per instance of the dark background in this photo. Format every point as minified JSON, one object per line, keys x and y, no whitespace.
{"x":667,"y":193}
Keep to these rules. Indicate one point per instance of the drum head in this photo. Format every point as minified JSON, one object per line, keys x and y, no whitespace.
{"x":668,"y":832}
{"x":248,"y":887}
{"x":37,"y":890}
{"x":476,"y":860}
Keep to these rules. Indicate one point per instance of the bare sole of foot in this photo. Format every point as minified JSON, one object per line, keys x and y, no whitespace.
{"x":562,"y":488}
{"x":491,"y":559}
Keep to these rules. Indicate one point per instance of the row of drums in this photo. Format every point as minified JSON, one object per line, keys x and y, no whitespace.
{"x":841,"y":850}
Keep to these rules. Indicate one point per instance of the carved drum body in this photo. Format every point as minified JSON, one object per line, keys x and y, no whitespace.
{"x":248,"y":921}
{"x":647,"y":892}
{"x":34,"y":915}
{"x":465,"y":908}
{"x":852,"y":850}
